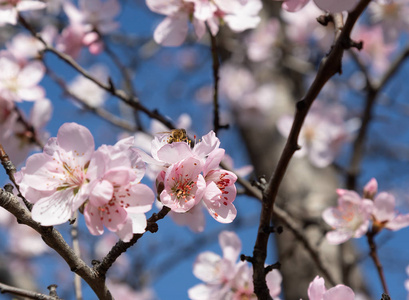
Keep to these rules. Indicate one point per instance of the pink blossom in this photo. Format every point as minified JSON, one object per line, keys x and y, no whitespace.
{"x":215,"y":271}
{"x":321,"y":136}
{"x":116,"y":198}
{"x":370,"y":189}
{"x":183,"y":185}
{"x":224,"y":277}
{"x":25,"y":47}
{"x":384,"y":213}
{"x":376,"y":51}
{"x":55,"y":179}
{"x":220,"y":189}
{"x":332,"y":6}
{"x":18,"y":83}
{"x":87,"y":90}
{"x":9,"y":9}
{"x":262,"y":40}
{"x":350,"y":219}
{"x":17,"y":139}
{"x":392,"y":17}
{"x":242,"y":284}
{"x":172,"y":31}
{"x":317,"y":291}
{"x":193,"y":218}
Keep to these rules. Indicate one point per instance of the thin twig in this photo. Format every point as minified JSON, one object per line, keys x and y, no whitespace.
{"x":76,"y":248}
{"x":374,"y":255}
{"x":103,"y":113}
{"x":11,"y":171}
{"x":4,"y":288}
{"x":373,"y":91}
{"x":329,"y":66}
{"x":132,"y":101}
{"x":215,"y":66}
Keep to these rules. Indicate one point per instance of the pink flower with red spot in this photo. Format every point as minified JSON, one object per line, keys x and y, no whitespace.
{"x":183,"y":185}
{"x":220,"y":189}
{"x":117,"y":200}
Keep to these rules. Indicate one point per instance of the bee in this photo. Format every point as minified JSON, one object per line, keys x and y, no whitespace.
{"x":176,"y":135}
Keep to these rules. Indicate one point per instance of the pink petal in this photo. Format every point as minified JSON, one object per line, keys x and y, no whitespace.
{"x":30,"y":5}
{"x":339,"y":292}
{"x":93,"y":220}
{"x":384,"y":207}
{"x":337,"y":237}
{"x":230,"y":244}
{"x":31,"y":93}
{"x":172,"y":31}
{"x":141,"y":198}
{"x":55,"y":209}
{"x":371,"y":188}
{"x":102,"y":192}
{"x":316,"y":289}
{"x":398,"y":222}
{"x":76,"y":138}
{"x":294,"y":5}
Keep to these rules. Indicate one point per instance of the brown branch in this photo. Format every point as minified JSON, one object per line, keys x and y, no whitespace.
{"x":216,"y":67}
{"x":373,"y":91}
{"x":76,"y":247}
{"x":55,"y":241}
{"x":4,"y":288}
{"x":329,"y":66}
{"x":374,"y":255}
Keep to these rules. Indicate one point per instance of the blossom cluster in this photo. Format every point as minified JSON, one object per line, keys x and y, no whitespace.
{"x":172,"y":31}
{"x":104,"y":183}
{"x":224,"y":277}
{"x":189,"y":176}
{"x":352,"y":217}
{"x":327,"y":5}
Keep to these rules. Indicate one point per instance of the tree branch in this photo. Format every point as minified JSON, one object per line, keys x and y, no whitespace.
{"x":329,"y":66}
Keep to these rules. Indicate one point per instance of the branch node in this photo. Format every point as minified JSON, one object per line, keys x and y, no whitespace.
{"x":246,"y":258}
{"x":261,"y":183}
{"x":269,"y":268}
{"x":9,"y":188}
{"x":111,"y":85}
{"x":152,"y":227}
{"x":53,"y":290}
{"x":301,"y":105}
{"x":95,"y":262}
{"x":385,"y":297}
{"x":324,"y":20}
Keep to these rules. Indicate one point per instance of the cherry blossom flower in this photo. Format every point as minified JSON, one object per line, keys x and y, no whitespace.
{"x":55,"y":180}
{"x":16,"y":137}
{"x":350,"y":219}
{"x":116,"y":198}
{"x":183,"y":185}
{"x":376,"y":51}
{"x":92,"y":19}
{"x":384,"y":214}
{"x":215,"y":271}
{"x":9,"y":9}
{"x":172,"y":31}
{"x":391,"y":15}
{"x":317,"y":291}
{"x":321,"y":136}
{"x":224,"y":277}
{"x":18,"y":83}
{"x":332,"y":6}
{"x":220,"y":189}
{"x":25,"y":47}
{"x":87,"y":90}
{"x":242,"y":284}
